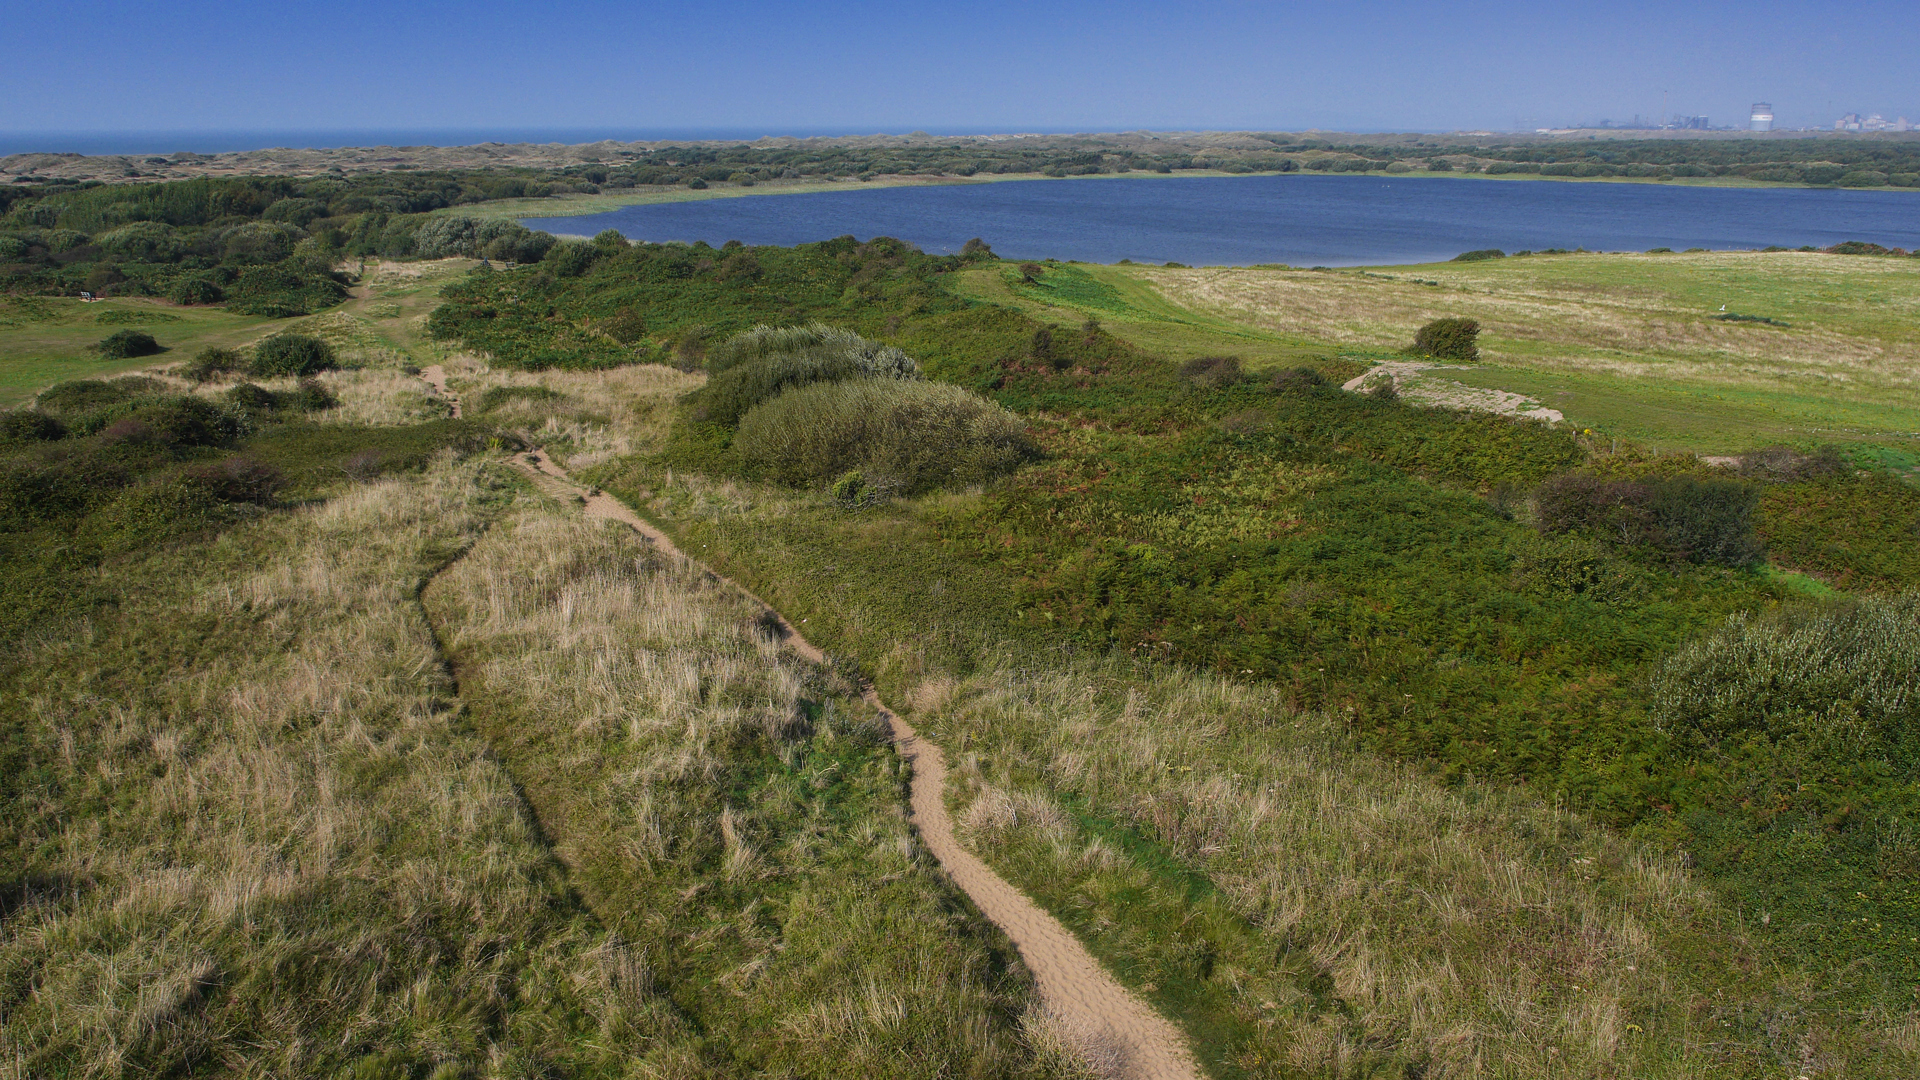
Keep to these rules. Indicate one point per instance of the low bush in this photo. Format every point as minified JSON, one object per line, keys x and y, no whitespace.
{"x":1300,"y":380}
{"x":298,"y":355}
{"x":69,"y":400}
{"x":282,"y":291}
{"x":1212,"y":372}
{"x":1448,"y":339}
{"x":767,"y":361}
{"x":127,"y":344}
{"x":212,"y":362}
{"x":1480,"y":255}
{"x":904,"y":436}
{"x":237,"y":480}
{"x":26,"y":426}
{"x":196,"y":291}
{"x":1701,"y":521}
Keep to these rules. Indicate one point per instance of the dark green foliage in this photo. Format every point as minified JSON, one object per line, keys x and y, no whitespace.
{"x":1859,"y":532}
{"x":308,"y":396}
{"x":1448,"y":339}
{"x":1480,"y":255}
{"x":212,"y":362}
{"x":284,"y":290}
{"x":1734,"y":316}
{"x":127,"y":344}
{"x":627,"y":326}
{"x":68,"y":400}
{"x":686,"y":295}
{"x":570,"y":258}
{"x":237,"y":479}
{"x":196,"y":291}
{"x":1700,"y":520}
{"x":26,"y":426}
{"x":1212,"y":372}
{"x":1300,"y":380}
{"x":291,"y":354}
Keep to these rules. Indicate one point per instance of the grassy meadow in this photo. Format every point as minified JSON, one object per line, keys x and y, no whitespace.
{"x":1340,"y":728}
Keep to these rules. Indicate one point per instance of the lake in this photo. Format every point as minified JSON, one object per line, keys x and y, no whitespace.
{"x":1300,"y":220}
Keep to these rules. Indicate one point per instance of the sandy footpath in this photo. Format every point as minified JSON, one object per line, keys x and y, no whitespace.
{"x":1116,"y":1032}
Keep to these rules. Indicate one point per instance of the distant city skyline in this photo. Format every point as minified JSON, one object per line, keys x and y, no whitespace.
{"x":868,"y":66}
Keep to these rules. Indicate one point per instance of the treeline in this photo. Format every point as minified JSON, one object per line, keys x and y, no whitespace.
{"x":259,"y":245}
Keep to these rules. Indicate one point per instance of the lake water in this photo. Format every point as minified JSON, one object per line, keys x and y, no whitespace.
{"x":1300,"y":220}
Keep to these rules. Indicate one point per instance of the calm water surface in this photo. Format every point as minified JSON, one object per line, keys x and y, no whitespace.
{"x":1292,"y":219}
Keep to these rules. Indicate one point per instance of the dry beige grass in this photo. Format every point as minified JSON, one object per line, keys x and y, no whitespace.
{"x":1639,"y":315}
{"x":599,"y":416}
{"x":1476,"y":931}
{"x":264,"y":843}
{"x":732,"y":810}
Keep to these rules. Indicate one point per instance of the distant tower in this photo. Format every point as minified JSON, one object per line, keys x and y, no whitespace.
{"x":1762,"y":117}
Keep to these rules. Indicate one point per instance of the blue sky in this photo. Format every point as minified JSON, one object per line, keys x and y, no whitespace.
{"x":864,"y":67}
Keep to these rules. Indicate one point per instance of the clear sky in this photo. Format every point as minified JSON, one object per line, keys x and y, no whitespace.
{"x":862,"y":67}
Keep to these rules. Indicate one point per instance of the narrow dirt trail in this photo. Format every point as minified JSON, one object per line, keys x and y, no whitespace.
{"x":1118,"y":1033}
{"x":435,"y":376}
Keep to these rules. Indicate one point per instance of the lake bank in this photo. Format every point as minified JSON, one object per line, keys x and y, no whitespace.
{"x":1298,"y":219}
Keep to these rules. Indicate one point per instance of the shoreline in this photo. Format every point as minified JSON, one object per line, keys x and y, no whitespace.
{"x":563,"y":206}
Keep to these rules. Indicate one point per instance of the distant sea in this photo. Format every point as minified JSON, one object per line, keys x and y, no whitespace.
{"x":1300,"y":220}
{"x":221,"y":142}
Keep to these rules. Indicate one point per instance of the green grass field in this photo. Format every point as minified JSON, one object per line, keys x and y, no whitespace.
{"x":1627,"y":345}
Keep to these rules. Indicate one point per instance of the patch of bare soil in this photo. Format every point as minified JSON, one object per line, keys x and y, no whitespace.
{"x":1412,"y":382}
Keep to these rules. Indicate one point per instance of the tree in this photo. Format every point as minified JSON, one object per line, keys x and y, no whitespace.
{"x":1448,"y":339}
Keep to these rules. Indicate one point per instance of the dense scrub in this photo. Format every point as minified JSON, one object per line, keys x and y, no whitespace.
{"x":100,"y":470}
{"x":687,"y":297}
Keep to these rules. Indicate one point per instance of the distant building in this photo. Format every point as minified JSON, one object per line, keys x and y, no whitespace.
{"x":1762,"y":118}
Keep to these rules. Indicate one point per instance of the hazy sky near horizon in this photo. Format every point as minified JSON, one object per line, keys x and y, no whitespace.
{"x":862,"y":67}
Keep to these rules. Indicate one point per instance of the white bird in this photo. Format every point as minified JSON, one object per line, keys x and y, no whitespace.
{"x":1723,"y":307}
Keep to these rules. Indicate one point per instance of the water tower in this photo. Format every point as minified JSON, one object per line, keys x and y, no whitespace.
{"x":1762,"y":119}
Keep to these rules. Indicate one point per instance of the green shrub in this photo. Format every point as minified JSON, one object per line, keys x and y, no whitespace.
{"x":904,"y":436}
{"x":1701,"y":521}
{"x":128,"y":344}
{"x":237,"y":480}
{"x":1448,"y":339}
{"x":570,"y":258}
{"x":143,"y":241}
{"x":196,"y":291}
{"x":12,"y":247}
{"x":283,"y":291}
{"x":1212,"y":372}
{"x":25,"y":425}
{"x":291,"y":354}
{"x":1480,"y":255}
{"x":212,"y":362}
{"x":1299,"y":380}
{"x":71,"y":399}
{"x":1809,"y":709}
{"x":766,"y":361}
